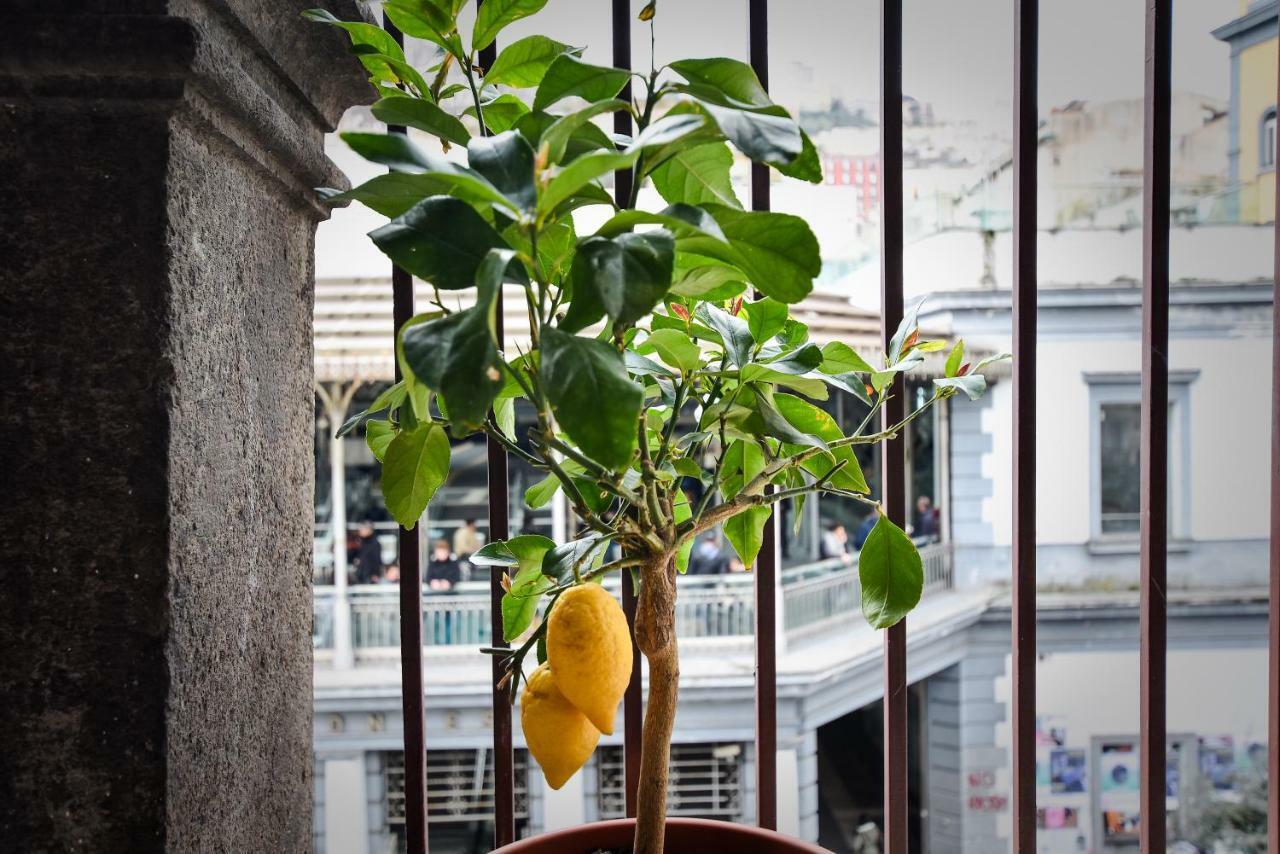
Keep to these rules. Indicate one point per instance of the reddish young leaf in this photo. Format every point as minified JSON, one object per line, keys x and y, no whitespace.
{"x":911,"y":341}
{"x":679,"y":311}
{"x":964,"y":369}
{"x":737,"y":307}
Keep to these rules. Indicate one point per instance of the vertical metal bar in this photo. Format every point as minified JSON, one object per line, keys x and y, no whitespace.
{"x":766,"y":568}
{"x":415,"y":743}
{"x":892,"y":451}
{"x":504,"y":780}
{"x":1154,"y":462}
{"x":1026,"y":121}
{"x":632,"y":699}
{"x":1273,"y":669}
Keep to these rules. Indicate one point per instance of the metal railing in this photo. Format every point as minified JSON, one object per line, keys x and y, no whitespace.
{"x":816,"y":597}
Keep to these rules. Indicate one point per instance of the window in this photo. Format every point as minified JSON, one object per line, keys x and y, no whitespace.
{"x":1267,"y":143}
{"x":1115,"y":445}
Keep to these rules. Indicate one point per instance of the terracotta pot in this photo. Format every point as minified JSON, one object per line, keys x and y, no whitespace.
{"x":684,"y":836}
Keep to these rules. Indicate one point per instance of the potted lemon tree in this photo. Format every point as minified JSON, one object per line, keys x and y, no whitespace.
{"x":661,"y":347}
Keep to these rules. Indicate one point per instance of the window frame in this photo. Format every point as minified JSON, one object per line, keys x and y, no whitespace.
{"x":1267,"y":148}
{"x":1124,"y":387}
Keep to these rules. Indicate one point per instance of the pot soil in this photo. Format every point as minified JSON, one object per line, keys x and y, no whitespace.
{"x":683,"y":836}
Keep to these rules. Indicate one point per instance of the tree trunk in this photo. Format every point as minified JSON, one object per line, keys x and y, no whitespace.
{"x":656,"y":637}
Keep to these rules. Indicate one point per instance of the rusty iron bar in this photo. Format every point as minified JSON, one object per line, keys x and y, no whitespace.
{"x":504,"y":780}
{"x":1026,"y":121}
{"x":632,"y":699}
{"x":766,"y":568}
{"x":415,"y":725}
{"x":893,"y":452}
{"x":1154,"y":459}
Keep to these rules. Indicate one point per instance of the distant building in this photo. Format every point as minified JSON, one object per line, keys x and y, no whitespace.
{"x":1252,"y":37}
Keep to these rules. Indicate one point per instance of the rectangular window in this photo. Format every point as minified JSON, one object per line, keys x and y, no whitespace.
{"x":1120,"y":443}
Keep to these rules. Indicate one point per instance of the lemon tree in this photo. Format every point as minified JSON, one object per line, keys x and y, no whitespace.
{"x":662,"y":345}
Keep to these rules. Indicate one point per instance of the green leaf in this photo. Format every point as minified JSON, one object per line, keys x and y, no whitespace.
{"x":809,"y":386}
{"x":973,"y":385}
{"x":697,"y":175}
{"x":561,"y":560}
{"x":910,"y":323}
{"x":766,"y":136}
{"x":520,"y":602}
{"x":457,"y":355}
{"x":731,"y":77}
{"x":503,"y":112}
{"x":420,"y":114}
{"x":426,"y":19}
{"x":591,"y":395}
{"x":506,"y":161}
{"x":681,"y":219}
{"x":807,"y":418}
{"x":955,"y":359}
{"x":557,"y":135}
{"x":496,"y":14}
{"x":745,"y":532}
{"x":539,"y":495}
{"x":581,"y":172}
{"x":504,"y":415}
{"x":682,"y":512}
{"x":493,"y":554}
{"x":441,"y":240}
{"x":891,"y":574}
{"x":777,"y":251}
{"x":523,"y":62}
{"x":676,"y":349}
{"x":712,"y":282}
{"x":734,"y":333}
{"x":624,"y":277}
{"x":377,"y":40}
{"x":765,"y":318}
{"x":569,"y":76}
{"x":839,"y":358}
{"x":806,"y":167}
{"x":397,"y":152}
{"x":771,"y":422}
{"x":390,"y":398}
{"x":393,"y":193}
{"x":378,"y":435}
{"x":416,"y":464}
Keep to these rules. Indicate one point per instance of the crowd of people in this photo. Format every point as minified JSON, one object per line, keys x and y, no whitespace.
{"x":446,"y":564}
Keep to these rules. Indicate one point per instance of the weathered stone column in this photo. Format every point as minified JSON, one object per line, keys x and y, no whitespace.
{"x":156,"y":462}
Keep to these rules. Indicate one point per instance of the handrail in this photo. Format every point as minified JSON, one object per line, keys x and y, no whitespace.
{"x":816,"y":597}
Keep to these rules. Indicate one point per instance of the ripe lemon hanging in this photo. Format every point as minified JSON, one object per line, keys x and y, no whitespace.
{"x":558,"y":735}
{"x":589,"y":648}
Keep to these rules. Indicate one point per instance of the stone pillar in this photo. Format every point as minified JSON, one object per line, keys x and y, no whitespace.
{"x":156,"y":243}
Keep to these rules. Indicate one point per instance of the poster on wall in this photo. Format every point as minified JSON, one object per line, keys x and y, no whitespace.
{"x":1118,"y":783}
{"x":1067,"y":771}
{"x":1218,"y":762}
{"x":1119,"y":768}
{"x":1120,"y":826}
{"x":1057,"y":818}
{"x":1051,"y":731}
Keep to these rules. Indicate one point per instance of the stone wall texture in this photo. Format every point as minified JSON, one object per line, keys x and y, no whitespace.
{"x":156,"y":248}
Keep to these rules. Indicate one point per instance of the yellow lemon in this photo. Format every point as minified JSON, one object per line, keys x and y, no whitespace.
{"x":559,"y":736}
{"x":589,"y":648}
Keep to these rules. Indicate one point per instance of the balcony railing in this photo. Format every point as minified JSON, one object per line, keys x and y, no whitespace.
{"x":816,"y":597}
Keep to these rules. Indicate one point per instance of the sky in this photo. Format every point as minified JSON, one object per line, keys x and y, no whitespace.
{"x":957,"y":53}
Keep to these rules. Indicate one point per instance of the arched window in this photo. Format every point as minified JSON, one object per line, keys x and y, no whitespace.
{"x":1267,"y":143}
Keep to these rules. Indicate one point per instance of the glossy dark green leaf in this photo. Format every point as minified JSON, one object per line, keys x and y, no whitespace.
{"x":778,"y":252}
{"x":580,"y":173}
{"x":363,"y":35}
{"x":767,"y":137}
{"x":441,"y":240}
{"x":807,"y":418}
{"x":680,"y":219}
{"x":559,"y":563}
{"x":771,"y":422}
{"x":415,"y":466}
{"x":506,"y":161}
{"x":420,"y":114}
{"x":569,"y":76}
{"x":493,"y":554}
{"x":891,"y":574}
{"x":734,"y":333}
{"x":624,"y":276}
{"x":456,"y":355}
{"x":591,"y":395}
{"x":432,"y":20}
{"x":523,"y":62}
{"x":697,"y":175}
{"x":401,"y":155}
{"x":496,"y":14}
{"x":557,"y":134}
{"x":393,"y":193}
{"x":807,"y":166}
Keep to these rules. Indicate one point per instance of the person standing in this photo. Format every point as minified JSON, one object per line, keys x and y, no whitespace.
{"x":368,"y":557}
{"x":467,"y":540}
{"x":926,"y":522}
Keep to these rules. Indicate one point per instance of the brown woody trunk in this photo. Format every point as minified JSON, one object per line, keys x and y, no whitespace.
{"x":656,"y":637}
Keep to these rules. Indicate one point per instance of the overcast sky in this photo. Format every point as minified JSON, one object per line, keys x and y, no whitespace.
{"x":957,"y":53}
